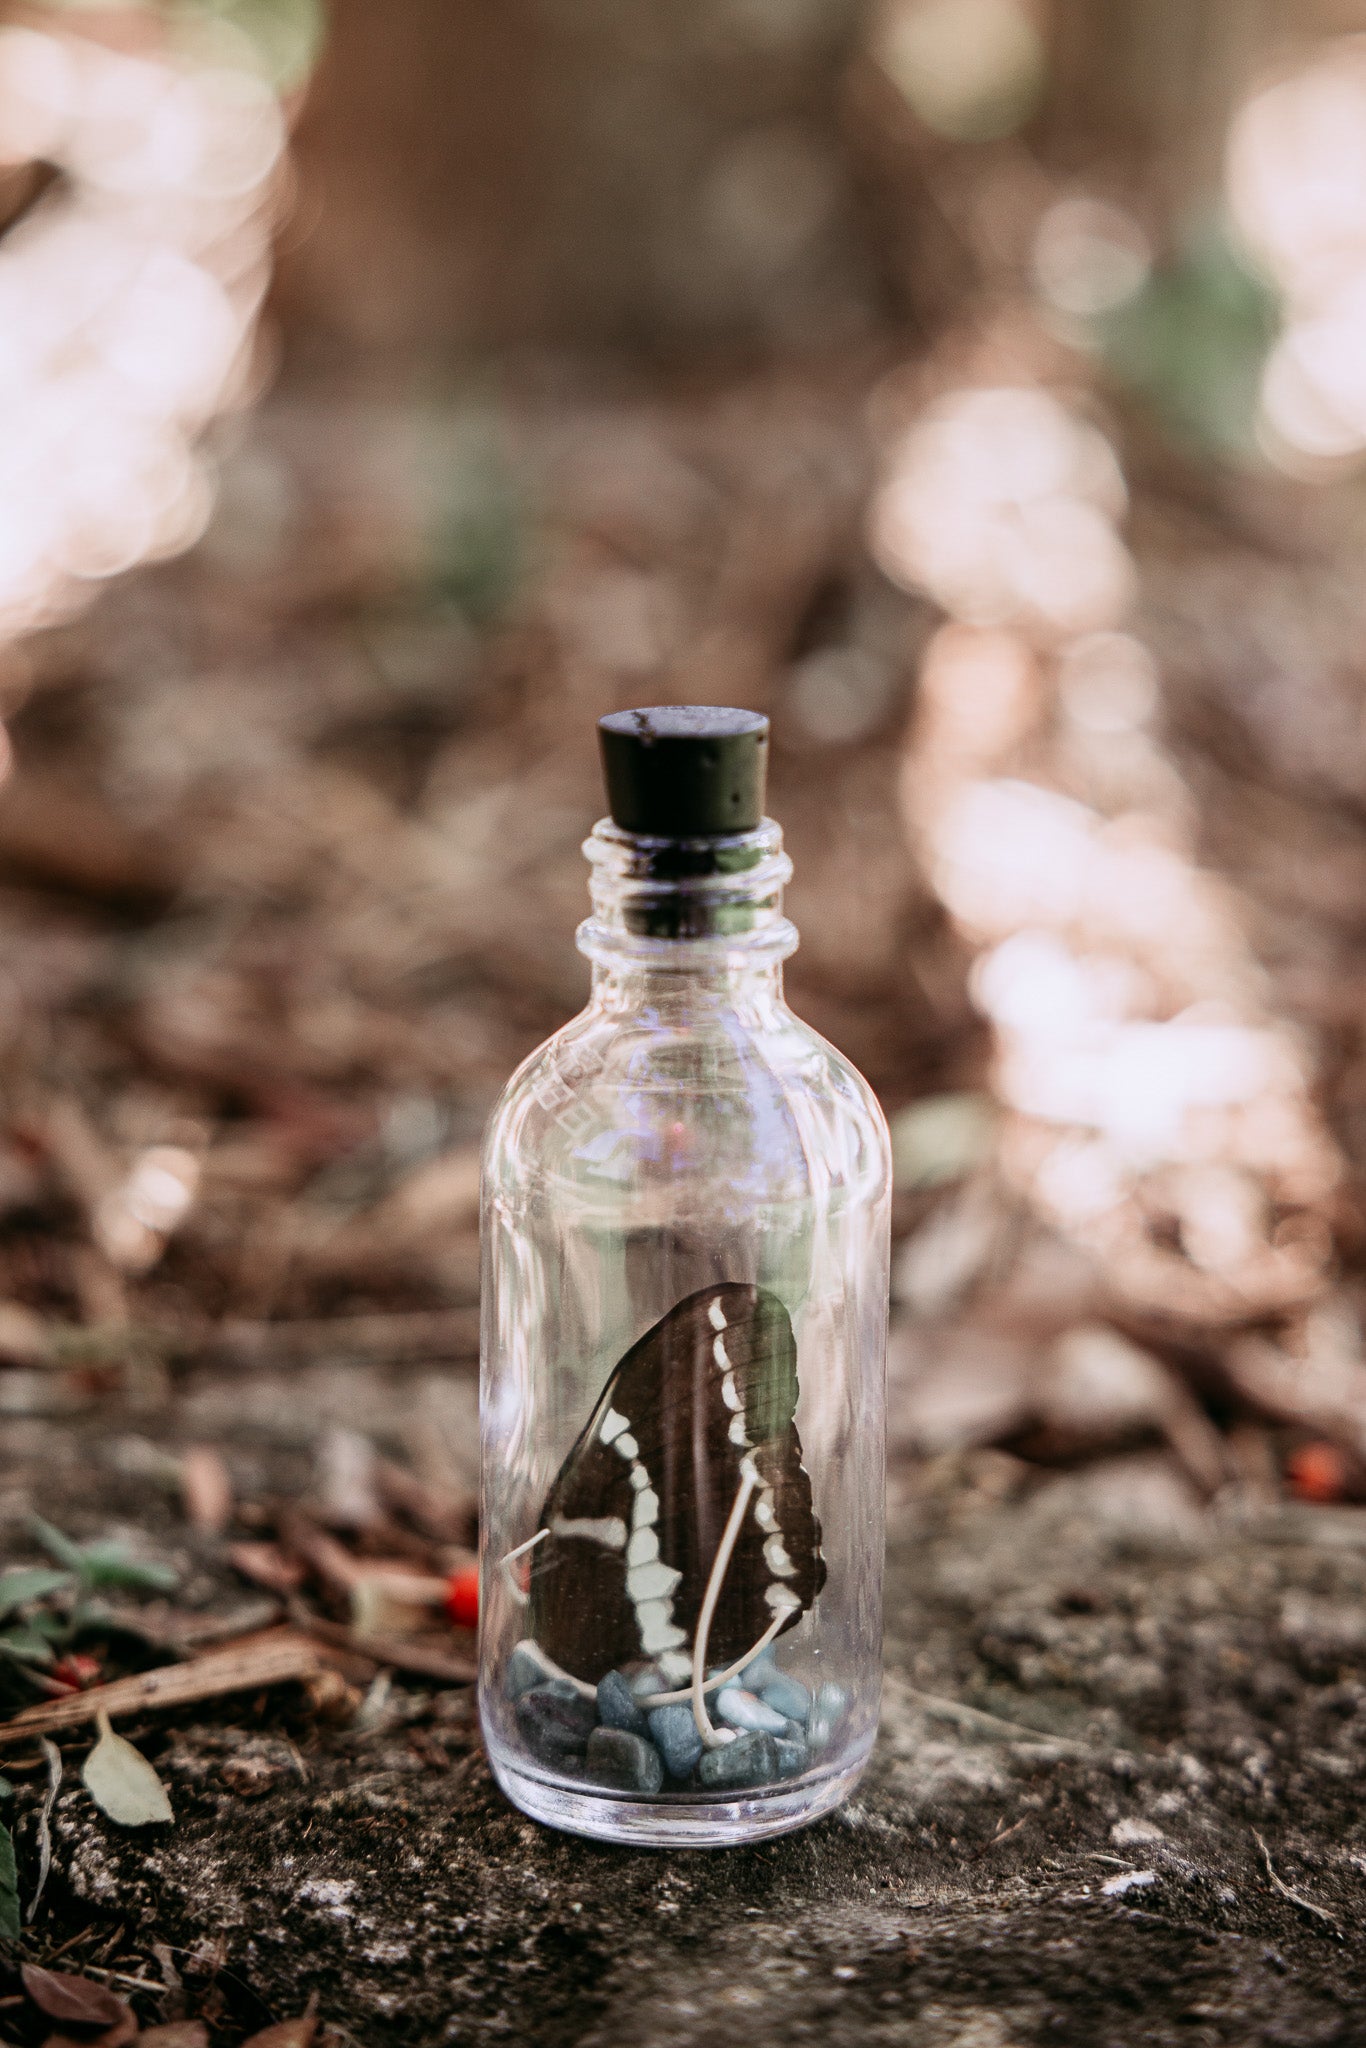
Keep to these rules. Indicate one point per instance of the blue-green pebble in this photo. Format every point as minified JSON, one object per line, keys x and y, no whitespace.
{"x":617,"y":1707}
{"x":749,"y":1760}
{"x":525,"y":1668}
{"x":740,"y":1709}
{"x":793,"y":1758}
{"x":555,"y":1724}
{"x":624,"y":1761}
{"x":674,"y":1734}
{"x":787,"y":1696}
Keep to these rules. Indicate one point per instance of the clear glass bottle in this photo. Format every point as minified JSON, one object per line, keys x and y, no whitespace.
{"x":685,"y":1244}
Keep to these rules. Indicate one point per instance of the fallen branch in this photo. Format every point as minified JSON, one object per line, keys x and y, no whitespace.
{"x":393,"y":1650}
{"x":292,"y":1660}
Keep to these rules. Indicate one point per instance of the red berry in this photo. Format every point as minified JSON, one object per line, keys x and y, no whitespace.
{"x":462,"y":1597}
{"x":1317,"y":1471}
{"x":77,"y":1669}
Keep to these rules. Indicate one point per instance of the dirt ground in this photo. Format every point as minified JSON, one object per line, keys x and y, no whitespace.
{"x":1115,"y":1798}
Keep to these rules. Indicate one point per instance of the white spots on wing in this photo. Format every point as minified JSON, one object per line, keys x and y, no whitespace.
{"x":654,"y":1619}
{"x":737,"y":1431}
{"x":730,"y":1394}
{"x":781,"y":1599}
{"x":675,"y":1666}
{"x":612,"y":1426}
{"x":650,"y":1582}
{"x":719,"y":1353}
{"x":609,"y":1530}
{"x":763,"y":1512}
{"x":716,"y":1315}
{"x":777,"y":1559}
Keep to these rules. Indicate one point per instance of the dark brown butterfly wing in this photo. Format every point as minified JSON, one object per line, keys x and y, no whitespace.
{"x":639,"y":1506}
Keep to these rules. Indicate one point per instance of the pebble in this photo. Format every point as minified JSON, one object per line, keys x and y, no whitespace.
{"x":525,"y":1668}
{"x":555,"y":1727}
{"x":793,"y":1758}
{"x":760,"y":1673}
{"x":739,"y":1709}
{"x":828,"y":1707}
{"x":674,"y":1734}
{"x":617,"y":1707}
{"x":786,"y":1696}
{"x":750,"y":1760}
{"x":616,"y":1757}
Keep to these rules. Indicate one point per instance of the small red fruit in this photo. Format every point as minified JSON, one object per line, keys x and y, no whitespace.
{"x":1317,"y":1471}
{"x":462,"y":1597}
{"x":77,"y":1669}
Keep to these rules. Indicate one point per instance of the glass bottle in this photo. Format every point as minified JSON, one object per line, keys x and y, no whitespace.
{"x":685,"y":1247}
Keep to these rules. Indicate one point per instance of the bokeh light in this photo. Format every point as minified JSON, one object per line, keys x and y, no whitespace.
{"x":1002,"y":505}
{"x":129,"y":295}
{"x":1297,"y":188}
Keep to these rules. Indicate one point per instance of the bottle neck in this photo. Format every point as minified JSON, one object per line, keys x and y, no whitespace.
{"x":685,"y":919}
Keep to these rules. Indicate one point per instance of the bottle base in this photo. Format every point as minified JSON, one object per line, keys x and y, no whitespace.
{"x":677,"y":1822}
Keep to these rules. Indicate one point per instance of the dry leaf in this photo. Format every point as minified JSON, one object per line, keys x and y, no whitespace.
{"x":178,"y":2034}
{"x":121,"y":1781}
{"x":288,"y":2034}
{"x":205,"y":1490}
{"x":76,"y":2000}
{"x":265,"y":1564}
{"x":119,"y":2035}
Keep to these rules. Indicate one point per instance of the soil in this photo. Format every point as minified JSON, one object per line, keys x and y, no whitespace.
{"x":1198,"y":1688}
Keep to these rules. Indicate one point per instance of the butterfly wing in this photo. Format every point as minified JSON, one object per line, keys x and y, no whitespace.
{"x":637,"y":1510}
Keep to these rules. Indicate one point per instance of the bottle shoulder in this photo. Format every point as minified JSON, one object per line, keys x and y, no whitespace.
{"x":690,"y":1096}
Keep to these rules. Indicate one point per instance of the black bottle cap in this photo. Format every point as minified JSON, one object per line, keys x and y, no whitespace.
{"x":685,"y":771}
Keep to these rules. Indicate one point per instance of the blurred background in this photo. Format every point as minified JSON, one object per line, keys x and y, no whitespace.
{"x":978,"y":387}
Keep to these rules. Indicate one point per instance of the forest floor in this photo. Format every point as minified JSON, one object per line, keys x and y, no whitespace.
{"x":289,"y":873}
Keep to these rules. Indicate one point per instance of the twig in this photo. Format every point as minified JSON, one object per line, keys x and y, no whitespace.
{"x":52,"y":1757}
{"x":395,"y":1650}
{"x":992,"y":1724}
{"x":1287,"y":1891}
{"x":122,"y":1977}
{"x":418,"y":1333}
{"x":434,"y":1333}
{"x":174,"y":1685}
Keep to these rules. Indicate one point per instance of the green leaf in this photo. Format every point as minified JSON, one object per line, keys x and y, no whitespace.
{"x":26,"y":1645}
{"x":108,"y":1564}
{"x":24,"y":1582}
{"x":9,"y":1889}
{"x":55,"y":1544}
{"x":1194,"y":342}
{"x":941,"y":1139}
{"x":122,"y":1783}
{"x":103,"y":1564}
